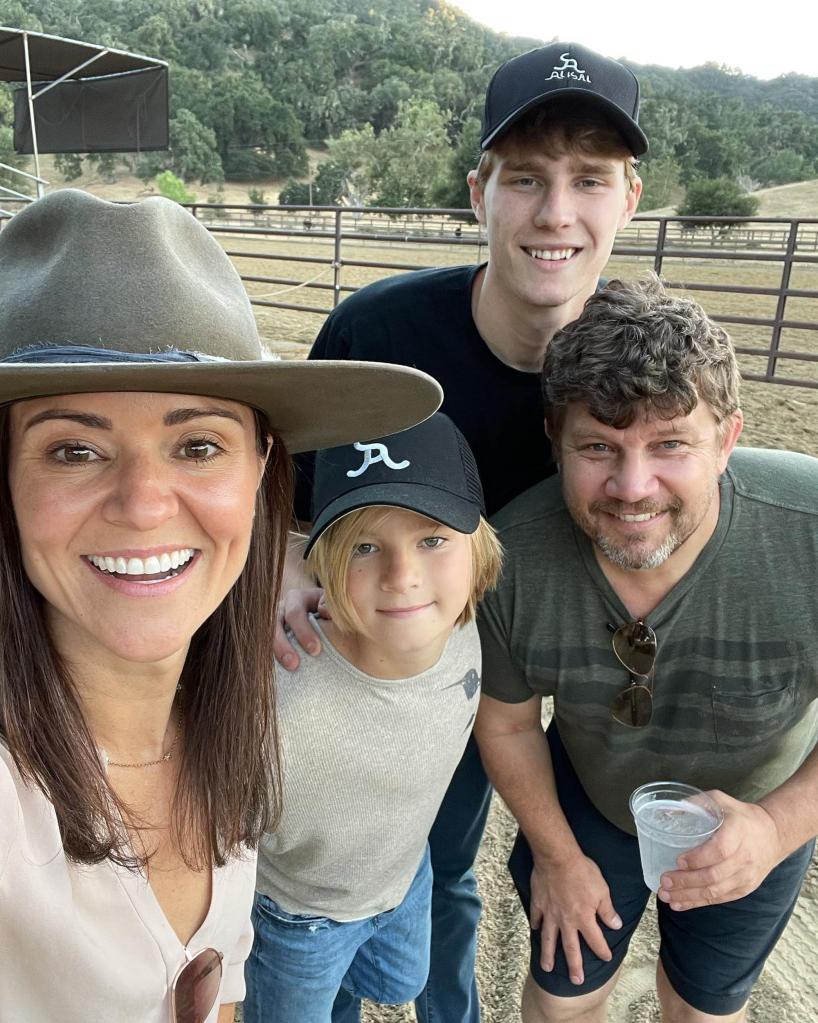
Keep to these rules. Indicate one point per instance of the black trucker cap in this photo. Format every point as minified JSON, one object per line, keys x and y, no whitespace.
{"x":428,"y":469}
{"x":561,"y":71}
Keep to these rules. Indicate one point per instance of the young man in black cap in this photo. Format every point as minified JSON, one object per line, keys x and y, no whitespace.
{"x":373,"y":728}
{"x":555,"y":182}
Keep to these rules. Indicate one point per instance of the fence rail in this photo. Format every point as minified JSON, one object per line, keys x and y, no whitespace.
{"x":311,"y":253}
{"x":772,"y":313}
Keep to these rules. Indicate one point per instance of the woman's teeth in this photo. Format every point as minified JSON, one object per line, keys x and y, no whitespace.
{"x":154,"y":565}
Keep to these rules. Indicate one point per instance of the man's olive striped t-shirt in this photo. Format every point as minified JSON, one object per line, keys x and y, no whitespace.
{"x":736,"y":675}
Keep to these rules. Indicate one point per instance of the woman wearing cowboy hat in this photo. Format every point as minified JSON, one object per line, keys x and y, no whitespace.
{"x":144,"y":502}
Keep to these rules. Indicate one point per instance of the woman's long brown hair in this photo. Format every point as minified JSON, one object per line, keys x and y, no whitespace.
{"x":229,"y":787}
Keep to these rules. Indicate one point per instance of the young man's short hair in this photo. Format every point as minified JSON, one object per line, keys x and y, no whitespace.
{"x":330,"y":558}
{"x":557,"y":129}
{"x":635,"y":348}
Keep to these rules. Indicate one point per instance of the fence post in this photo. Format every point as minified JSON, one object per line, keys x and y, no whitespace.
{"x":781,"y":306}
{"x":336,"y":262}
{"x":660,"y":245}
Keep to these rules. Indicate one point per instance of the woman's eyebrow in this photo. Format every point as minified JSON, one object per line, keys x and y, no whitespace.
{"x":184,"y":415}
{"x":83,"y":418}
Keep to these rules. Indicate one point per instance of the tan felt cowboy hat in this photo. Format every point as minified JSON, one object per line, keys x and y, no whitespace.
{"x":97,"y":296}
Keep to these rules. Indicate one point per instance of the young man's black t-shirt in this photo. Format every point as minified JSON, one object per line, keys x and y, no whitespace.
{"x":424,"y":319}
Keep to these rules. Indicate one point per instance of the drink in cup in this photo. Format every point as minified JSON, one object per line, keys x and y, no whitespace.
{"x":671,"y":818}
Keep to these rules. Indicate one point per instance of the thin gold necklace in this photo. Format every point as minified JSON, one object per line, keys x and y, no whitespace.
{"x":150,"y":763}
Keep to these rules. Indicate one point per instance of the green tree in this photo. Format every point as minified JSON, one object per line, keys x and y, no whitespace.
{"x":404,"y":165}
{"x":171,"y":187}
{"x":16,"y":15}
{"x":193,"y":149}
{"x":7,"y":154}
{"x":719,"y":197}
{"x":453,"y":191}
{"x":105,"y":165}
{"x":69,"y":165}
{"x":328,"y":189}
{"x":782,"y":167}
{"x":258,"y":136}
{"x":661,"y":183}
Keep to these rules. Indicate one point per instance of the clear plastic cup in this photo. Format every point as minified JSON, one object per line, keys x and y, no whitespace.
{"x":671,"y":818}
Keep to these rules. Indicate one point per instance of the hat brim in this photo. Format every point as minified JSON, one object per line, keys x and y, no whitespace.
{"x":634,"y":137}
{"x":309,"y":404}
{"x":440,"y":505}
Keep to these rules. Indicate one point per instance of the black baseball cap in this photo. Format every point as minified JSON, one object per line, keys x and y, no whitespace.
{"x":428,"y":469}
{"x":562,"y":71}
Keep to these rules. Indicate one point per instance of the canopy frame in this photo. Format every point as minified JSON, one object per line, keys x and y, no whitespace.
{"x":71,"y":61}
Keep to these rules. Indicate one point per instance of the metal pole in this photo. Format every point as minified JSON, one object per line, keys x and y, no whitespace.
{"x":68,"y":74}
{"x":31,"y":116}
{"x":786,"y":273}
{"x":336,"y":263}
{"x":660,"y":245}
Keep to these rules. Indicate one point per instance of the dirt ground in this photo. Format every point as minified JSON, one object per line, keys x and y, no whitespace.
{"x":777,"y":417}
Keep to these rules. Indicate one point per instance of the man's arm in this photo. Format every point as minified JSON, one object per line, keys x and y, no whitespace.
{"x":568,"y":892}
{"x":754,"y":838}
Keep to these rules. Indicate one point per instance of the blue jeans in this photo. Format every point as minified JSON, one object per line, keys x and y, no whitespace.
{"x":309,"y":969}
{"x":450,"y":995}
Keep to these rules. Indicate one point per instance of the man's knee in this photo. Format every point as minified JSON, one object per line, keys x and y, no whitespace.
{"x":676,"y":1010}
{"x":539,"y":1006}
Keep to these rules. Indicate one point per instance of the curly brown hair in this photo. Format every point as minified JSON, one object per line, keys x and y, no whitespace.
{"x":637,"y":345}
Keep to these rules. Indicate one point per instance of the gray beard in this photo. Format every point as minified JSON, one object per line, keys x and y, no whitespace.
{"x":624,"y":557}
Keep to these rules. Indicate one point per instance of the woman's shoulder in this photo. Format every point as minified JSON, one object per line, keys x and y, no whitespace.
{"x":9,"y":805}
{"x":27,"y":817}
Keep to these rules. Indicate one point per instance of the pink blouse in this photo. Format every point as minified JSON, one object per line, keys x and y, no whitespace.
{"x":90,"y":944}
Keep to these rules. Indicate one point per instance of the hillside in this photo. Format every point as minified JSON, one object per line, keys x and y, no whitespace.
{"x":799,"y":199}
{"x":256,"y":84}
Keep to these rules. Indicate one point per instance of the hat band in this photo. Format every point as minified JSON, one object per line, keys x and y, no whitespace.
{"x":64,"y":354}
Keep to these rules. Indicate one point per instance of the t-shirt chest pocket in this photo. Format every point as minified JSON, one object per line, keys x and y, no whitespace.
{"x":753,"y":718}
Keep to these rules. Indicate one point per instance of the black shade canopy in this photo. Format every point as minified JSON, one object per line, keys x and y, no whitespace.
{"x":52,"y":57}
{"x":83,"y":98}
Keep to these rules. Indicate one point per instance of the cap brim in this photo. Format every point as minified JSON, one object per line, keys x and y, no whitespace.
{"x":440,"y":505}
{"x":632,"y":134}
{"x":309,"y":404}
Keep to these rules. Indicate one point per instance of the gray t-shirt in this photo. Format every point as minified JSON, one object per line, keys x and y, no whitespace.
{"x":736,"y":675}
{"x":366,"y":764}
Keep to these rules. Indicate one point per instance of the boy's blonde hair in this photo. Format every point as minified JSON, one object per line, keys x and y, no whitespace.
{"x":329,"y":561}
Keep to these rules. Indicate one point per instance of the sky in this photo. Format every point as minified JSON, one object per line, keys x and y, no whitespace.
{"x":765,"y":40}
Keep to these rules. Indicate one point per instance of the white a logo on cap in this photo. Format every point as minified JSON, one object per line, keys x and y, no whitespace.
{"x":568,"y":69}
{"x":374,"y":453}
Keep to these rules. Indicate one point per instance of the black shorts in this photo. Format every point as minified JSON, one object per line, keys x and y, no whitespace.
{"x":712,"y":956}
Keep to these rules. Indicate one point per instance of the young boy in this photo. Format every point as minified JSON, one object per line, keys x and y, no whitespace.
{"x":373,"y":728}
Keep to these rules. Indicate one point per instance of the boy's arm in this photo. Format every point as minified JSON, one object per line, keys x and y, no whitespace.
{"x":568,"y":891}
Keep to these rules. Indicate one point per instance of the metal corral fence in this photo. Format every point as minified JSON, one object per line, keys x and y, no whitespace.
{"x":756,"y":275}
